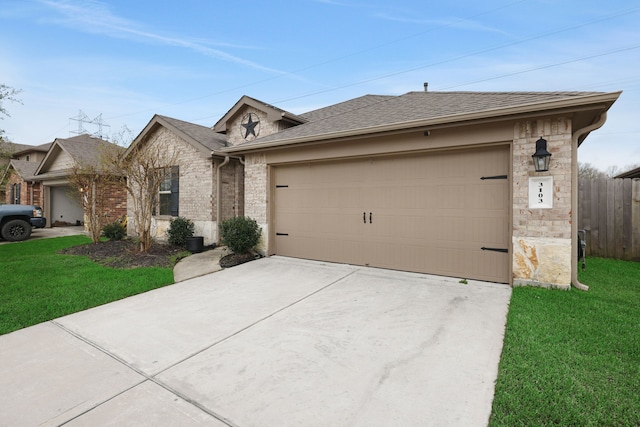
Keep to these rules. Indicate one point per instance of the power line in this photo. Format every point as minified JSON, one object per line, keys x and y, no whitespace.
{"x":456,"y":58}
{"x":340,"y":58}
{"x":611,"y":52}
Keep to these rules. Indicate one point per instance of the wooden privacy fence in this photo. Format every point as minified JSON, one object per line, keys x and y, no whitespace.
{"x":609,"y":212}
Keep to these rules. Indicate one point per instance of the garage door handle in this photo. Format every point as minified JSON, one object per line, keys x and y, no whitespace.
{"x":370,"y":218}
{"x":495,"y":249}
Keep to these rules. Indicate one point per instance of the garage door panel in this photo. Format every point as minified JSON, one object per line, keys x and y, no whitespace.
{"x":425,"y":213}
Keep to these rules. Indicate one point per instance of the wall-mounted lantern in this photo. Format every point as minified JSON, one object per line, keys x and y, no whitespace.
{"x":541,"y":157}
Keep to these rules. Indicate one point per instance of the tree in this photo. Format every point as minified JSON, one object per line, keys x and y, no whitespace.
{"x":143,"y":167}
{"x":6,"y":147}
{"x":90,"y":182}
{"x":6,"y":94}
{"x":588,"y":171}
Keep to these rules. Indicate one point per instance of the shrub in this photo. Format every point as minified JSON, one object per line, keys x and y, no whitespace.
{"x":180,"y":229}
{"x":114,"y":231}
{"x":240,"y":234}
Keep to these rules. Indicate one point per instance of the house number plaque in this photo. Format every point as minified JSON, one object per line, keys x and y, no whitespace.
{"x":541,"y":192}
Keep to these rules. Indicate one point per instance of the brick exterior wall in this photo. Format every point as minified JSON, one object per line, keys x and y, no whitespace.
{"x":197,"y":187}
{"x":115,"y":201}
{"x":27,"y":189}
{"x":256,"y":194}
{"x":542,"y":237}
{"x":232,"y":190}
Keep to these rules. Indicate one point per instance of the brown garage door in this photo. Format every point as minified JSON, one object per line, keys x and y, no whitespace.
{"x":443,"y":213}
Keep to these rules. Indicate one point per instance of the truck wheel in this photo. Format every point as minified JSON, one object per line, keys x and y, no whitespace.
{"x":16,"y":230}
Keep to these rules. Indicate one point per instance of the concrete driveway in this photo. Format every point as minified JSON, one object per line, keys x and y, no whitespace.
{"x":275,"y":342}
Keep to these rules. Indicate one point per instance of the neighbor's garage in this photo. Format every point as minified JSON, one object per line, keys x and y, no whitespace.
{"x":444,"y":213}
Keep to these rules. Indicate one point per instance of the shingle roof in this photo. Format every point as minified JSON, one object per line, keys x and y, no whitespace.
{"x":204,"y":135}
{"x":84,"y":149}
{"x":25,"y":169}
{"x":370,"y":112}
{"x":344,"y":107}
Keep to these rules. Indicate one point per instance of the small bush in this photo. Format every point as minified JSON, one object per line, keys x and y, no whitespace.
{"x":180,"y":229}
{"x":114,"y":231}
{"x":240,"y":234}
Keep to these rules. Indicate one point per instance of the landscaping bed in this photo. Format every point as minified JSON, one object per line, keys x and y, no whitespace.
{"x":124,"y":254}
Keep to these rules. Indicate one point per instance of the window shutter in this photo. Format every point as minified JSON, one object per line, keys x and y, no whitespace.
{"x":175,"y":187}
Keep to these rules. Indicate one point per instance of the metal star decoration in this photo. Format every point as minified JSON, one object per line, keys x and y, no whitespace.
{"x":250,"y":126}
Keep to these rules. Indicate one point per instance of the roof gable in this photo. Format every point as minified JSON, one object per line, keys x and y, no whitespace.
{"x":273,"y":113}
{"x":65,"y":153}
{"x":205,"y":140}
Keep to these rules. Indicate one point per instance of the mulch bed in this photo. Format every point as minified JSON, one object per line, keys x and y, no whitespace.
{"x":124,"y":254}
{"x":236,"y":259}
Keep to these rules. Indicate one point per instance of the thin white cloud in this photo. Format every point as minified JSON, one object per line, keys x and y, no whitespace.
{"x":458,"y":23}
{"x":96,"y":17}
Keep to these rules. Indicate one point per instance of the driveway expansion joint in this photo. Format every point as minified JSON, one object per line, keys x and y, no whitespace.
{"x":146,"y":377}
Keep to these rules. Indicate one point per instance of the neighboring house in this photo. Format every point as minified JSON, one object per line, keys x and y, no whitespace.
{"x":29,"y":153}
{"x":59,"y":200}
{"x":431,"y":182}
{"x":634,"y":173}
{"x":196,"y":182}
{"x":22,"y":165}
{"x":21,"y":187}
{"x":39,"y":175}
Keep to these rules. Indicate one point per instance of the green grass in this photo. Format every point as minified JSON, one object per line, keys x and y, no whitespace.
{"x":38,"y":284}
{"x":572,"y":358}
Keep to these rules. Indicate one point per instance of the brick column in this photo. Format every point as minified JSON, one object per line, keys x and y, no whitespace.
{"x":256,"y":198}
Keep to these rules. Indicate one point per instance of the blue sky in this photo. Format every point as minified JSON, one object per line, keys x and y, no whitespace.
{"x":193,"y":59}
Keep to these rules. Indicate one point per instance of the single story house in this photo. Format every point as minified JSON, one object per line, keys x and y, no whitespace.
{"x":432,"y":182}
{"x":42,"y":180}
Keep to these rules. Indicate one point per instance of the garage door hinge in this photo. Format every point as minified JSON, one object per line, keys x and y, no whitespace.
{"x":495,"y":249}
{"x":282,"y":234}
{"x":494,"y":177}
{"x":282,"y":186}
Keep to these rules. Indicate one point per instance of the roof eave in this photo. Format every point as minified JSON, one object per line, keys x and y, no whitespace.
{"x":497,"y":114}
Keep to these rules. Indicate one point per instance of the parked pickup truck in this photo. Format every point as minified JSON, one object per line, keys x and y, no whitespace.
{"x":16,"y":221}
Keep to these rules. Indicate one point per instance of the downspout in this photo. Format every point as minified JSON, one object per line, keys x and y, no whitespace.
{"x":219,"y":195}
{"x":574,"y":195}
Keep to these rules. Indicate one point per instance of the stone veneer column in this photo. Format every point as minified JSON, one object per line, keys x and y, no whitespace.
{"x":541,"y":238}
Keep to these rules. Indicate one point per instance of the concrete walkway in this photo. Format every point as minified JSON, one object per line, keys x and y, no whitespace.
{"x":198,"y":264}
{"x":274,"y":342}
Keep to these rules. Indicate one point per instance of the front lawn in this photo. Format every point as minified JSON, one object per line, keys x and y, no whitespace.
{"x":572,"y":358}
{"x":39,"y":284}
